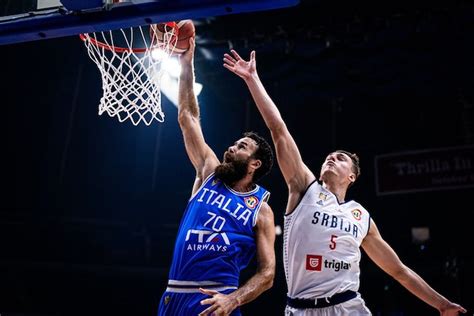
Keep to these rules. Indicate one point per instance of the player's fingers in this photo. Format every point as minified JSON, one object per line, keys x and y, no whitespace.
{"x":220,"y":312}
{"x":229,"y":61}
{"x":252,"y":55}
{"x":208,"y":310}
{"x":230,"y":68}
{"x":236,"y":55}
{"x":208,"y":292}
{"x":229,"y":57}
{"x":207,"y":301}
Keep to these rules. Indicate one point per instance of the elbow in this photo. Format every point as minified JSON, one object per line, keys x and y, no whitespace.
{"x":401,"y":273}
{"x":181,"y":118}
{"x":278,"y":131}
{"x":277,"y":127}
{"x":182,"y":115}
{"x":184,"y":118}
{"x":269,"y":277}
{"x":269,"y":284}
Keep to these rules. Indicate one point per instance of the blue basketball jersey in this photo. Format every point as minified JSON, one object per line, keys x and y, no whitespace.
{"x":216,"y":239}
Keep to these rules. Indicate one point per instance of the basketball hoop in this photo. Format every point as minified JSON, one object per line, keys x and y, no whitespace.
{"x":131,"y":75}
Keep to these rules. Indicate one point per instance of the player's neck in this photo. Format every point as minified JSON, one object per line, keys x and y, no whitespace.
{"x":243,"y":185}
{"x":337,"y":190}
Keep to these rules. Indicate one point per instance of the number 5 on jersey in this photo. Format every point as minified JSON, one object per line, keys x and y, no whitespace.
{"x":332,"y":243}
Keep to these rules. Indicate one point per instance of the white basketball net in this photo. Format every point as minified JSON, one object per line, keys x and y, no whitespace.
{"x":131,"y":77}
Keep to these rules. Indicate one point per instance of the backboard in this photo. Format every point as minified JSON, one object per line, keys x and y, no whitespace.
{"x":30,"y":20}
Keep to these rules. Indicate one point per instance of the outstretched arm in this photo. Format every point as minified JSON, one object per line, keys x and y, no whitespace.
{"x":202,"y":157}
{"x":297,"y":175}
{"x":385,"y":257}
{"x":261,"y":281}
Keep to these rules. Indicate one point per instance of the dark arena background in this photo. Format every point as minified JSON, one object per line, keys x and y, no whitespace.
{"x":90,"y":206}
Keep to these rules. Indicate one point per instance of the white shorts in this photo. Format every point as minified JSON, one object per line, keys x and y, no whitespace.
{"x":353,"y":307}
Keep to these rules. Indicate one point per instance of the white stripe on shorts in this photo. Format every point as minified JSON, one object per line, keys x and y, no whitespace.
{"x":196,"y":290}
{"x":192,"y":283}
{"x":178,"y":286}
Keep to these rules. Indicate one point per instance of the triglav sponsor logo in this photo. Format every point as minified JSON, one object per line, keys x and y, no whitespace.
{"x":313,"y":262}
{"x":317,"y":263}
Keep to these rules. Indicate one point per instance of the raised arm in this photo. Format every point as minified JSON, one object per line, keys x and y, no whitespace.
{"x":297,"y":175}
{"x":202,"y":157}
{"x":385,"y":257}
{"x":262,"y":280}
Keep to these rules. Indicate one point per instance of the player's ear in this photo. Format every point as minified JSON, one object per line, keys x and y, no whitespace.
{"x":352,"y":177}
{"x":256,"y":163}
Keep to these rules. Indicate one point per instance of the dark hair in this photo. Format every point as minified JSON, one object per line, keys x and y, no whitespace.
{"x":264,"y":153}
{"x":355,"y":161}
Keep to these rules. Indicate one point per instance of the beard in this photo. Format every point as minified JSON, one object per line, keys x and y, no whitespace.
{"x":231,"y":172}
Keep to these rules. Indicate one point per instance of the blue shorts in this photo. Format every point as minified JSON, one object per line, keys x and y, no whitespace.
{"x":186,"y":304}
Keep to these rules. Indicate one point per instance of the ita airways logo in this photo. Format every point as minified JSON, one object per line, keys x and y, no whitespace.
{"x":357,"y":214}
{"x":251,"y":202}
{"x":314,"y":262}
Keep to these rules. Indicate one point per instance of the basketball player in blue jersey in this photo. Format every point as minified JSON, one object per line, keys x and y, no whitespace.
{"x":227,"y":220}
{"x":324,"y":232}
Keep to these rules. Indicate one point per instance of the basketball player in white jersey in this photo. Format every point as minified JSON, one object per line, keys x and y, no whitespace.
{"x":323,"y":231}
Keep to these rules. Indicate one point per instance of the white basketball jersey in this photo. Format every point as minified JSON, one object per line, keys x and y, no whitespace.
{"x":321,"y":244}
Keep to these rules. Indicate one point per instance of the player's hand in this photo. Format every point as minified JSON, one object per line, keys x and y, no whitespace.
{"x":221,"y":304}
{"x":451,"y":309}
{"x":187,"y":57}
{"x":242,"y":68}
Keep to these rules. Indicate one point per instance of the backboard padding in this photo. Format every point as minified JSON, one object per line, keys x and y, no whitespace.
{"x":60,"y":22}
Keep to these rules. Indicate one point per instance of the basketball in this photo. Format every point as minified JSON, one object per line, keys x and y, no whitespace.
{"x":183,"y":29}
